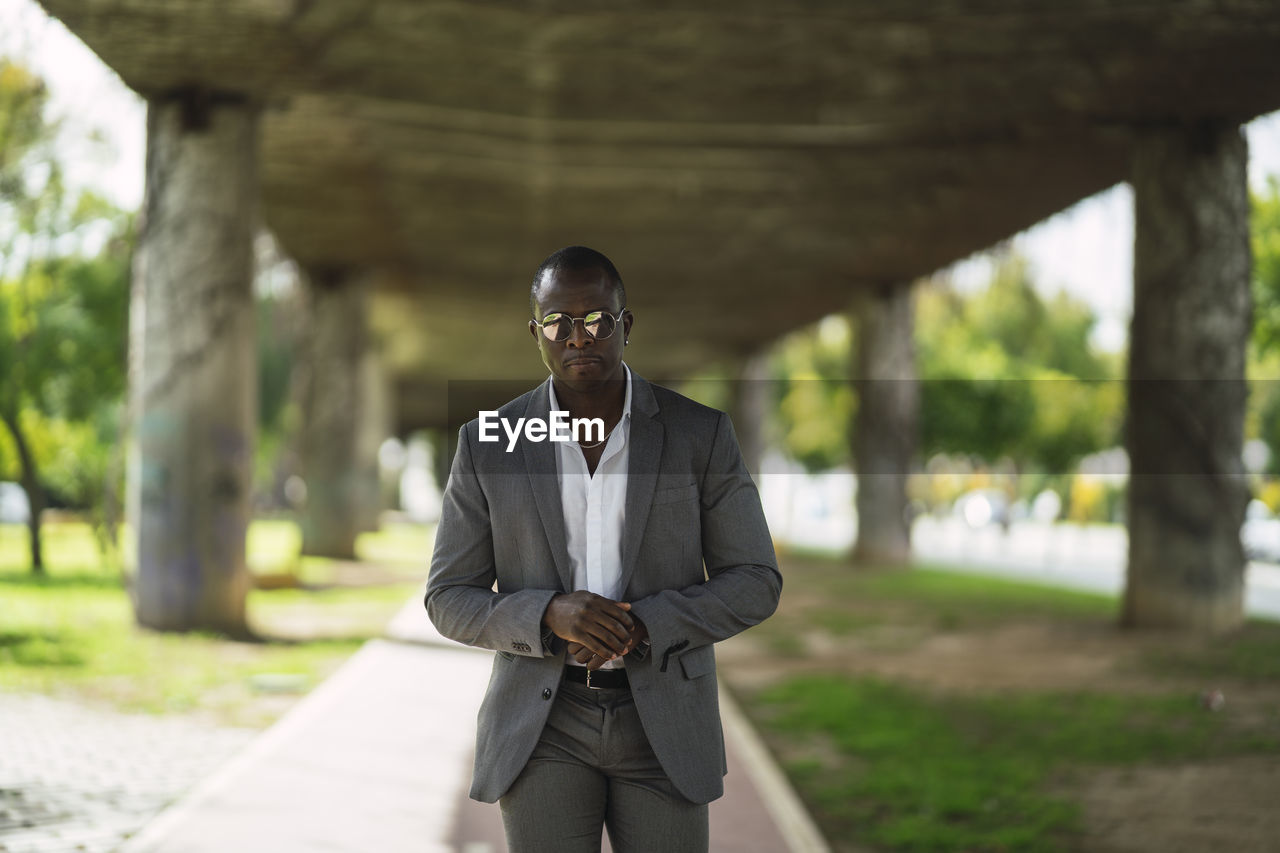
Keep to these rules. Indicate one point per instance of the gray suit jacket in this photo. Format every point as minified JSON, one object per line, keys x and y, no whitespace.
{"x":690,"y":504}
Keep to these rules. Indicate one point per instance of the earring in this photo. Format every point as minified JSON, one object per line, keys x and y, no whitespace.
{"x":626,"y":342}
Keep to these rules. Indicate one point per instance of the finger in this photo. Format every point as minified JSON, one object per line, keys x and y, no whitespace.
{"x":584,"y":655}
{"x":621,"y":620}
{"x":600,"y":646}
{"x":612,"y":633}
{"x":616,"y":620}
{"x":607,"y":649}
{"x":614,"y":610}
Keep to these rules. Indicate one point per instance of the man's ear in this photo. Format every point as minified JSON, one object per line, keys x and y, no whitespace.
{"x":533,"y":330}
{"x":626,"y":324}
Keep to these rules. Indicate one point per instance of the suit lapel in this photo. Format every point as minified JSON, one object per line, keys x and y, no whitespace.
{"x":540,"y":462}
{"x":642,"y":471}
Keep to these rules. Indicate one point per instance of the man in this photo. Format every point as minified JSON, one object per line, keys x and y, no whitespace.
{"x":602,"y":708}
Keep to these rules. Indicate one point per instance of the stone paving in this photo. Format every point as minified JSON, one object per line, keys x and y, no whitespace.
{"x":79,"y":779}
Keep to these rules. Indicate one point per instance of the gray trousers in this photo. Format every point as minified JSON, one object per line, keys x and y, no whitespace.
{"x":593,"y":767}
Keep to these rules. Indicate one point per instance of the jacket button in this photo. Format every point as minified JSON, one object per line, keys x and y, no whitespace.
{"x":546,"y":693}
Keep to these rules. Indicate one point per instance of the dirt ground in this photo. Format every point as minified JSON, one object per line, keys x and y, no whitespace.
{"x":1224,"y":805}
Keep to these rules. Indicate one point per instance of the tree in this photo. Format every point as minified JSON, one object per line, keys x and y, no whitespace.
{"x":1010,"y":375}
{"x":62,"y":310}
{"x":815,"y":400}
{"x":1264,"y":226}
{"x":1263,"y":419}
{"x":1005,"y":374}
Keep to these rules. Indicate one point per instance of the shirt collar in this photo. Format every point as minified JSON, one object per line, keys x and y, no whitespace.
{"x":626,"y":401}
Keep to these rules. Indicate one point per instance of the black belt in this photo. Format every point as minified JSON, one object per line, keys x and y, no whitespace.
{"x":597,"y":680}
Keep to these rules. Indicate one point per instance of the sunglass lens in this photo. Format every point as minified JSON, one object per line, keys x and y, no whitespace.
{"x":556,"y":327}
{"x":598,"y":324}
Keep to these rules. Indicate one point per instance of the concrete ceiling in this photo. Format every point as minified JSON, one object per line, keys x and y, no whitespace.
{"x":745,"y":166}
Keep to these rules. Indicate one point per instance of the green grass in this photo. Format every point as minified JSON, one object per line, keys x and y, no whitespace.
{"x":849,"y":601}
{"x":898,"y":767}
{"x":72,"y":633}
{"x":987,"y":596}
{"x":942,"y":590}
{"x":272,"y":546}
{"x":910,"y":771}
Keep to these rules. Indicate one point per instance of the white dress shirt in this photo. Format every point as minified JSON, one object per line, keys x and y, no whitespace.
{"x":595,"y":507}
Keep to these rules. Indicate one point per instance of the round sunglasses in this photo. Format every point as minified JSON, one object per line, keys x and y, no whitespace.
{"x":599,"y":325}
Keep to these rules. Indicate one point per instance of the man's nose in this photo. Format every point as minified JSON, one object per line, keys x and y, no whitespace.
{"x":578,"y":336}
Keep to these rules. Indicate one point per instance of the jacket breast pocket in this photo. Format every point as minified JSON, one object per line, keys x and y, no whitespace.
{"x":675,"y":494}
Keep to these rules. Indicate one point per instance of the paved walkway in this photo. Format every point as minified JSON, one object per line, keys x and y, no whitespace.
{"x":83,"y":780}
{"x":378,"y":757}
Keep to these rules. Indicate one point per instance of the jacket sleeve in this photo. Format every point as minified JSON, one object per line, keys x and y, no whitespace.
{"x":460,"y":599}
{"x":743,"y":582}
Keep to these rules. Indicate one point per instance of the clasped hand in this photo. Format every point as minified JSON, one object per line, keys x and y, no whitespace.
{"x":597,"y":629}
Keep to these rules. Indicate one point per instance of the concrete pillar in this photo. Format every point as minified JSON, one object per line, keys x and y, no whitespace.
{"x":193,"y":364}
{"x":375,"y":425}
{"x":338,"y":467}
{"x":443,"y":446}
{"x":886,"y":424}
{"x":1192,"y":315}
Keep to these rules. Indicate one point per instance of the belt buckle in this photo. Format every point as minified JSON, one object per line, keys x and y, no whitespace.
{"x":589,"y":684}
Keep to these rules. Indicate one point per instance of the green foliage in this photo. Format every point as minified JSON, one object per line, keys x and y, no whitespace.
{"x":1073,"y":418}
{"x":1009,"y":375}
{"x":988,"y":418}
{"x":23,"y":130}
{"x":78,"y":344}
{"x":1263,"y":416}
{"x":63,"y":311}
{"x":281,"y":317}
{"x":64,"y":317}
{"x":275,"y":361}
{"x":1016,"y":319}
{"x":1006,"y":374}
{"x":1264,"y":226}
{"x":816,"y":403}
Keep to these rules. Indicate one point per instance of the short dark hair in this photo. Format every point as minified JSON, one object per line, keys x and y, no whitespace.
{"x":576,"y":258}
